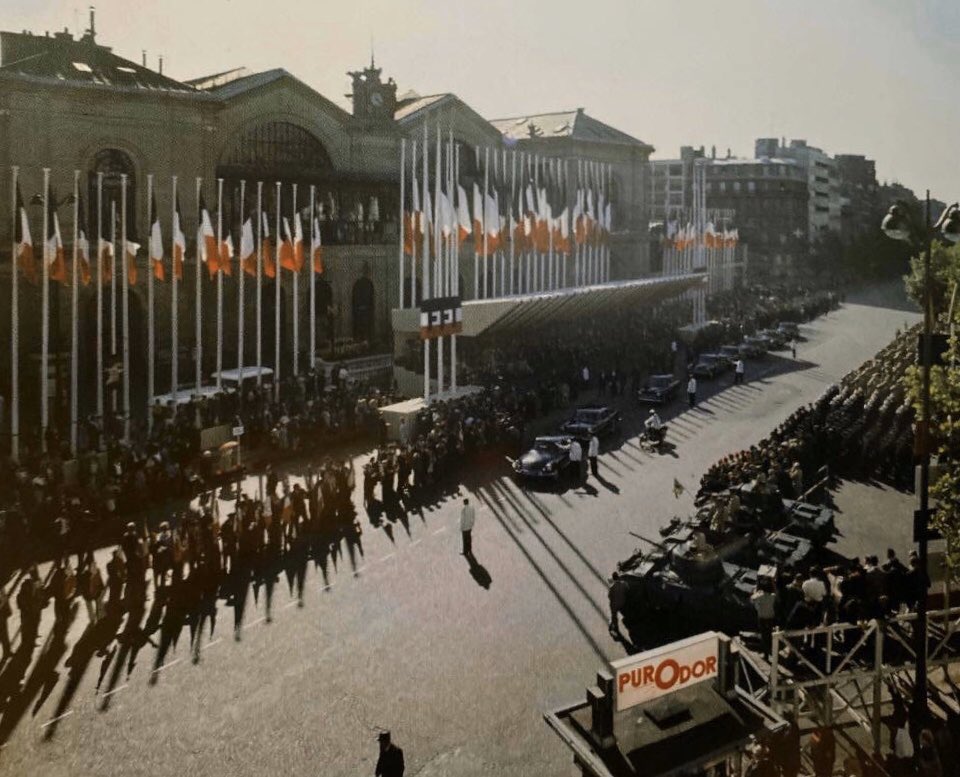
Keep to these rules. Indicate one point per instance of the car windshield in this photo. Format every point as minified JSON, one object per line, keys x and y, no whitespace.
{"x":660,"y":381}
{"x":708,"y":359}
{"x":546,"y":446}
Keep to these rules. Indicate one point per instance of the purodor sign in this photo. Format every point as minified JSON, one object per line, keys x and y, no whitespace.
{"x":647,"y":676}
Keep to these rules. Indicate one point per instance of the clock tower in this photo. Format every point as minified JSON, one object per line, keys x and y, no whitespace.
{"x":373,"y":100}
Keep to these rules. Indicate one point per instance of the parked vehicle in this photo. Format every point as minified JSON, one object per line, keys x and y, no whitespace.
{"x":732,"y":352}
{"x":710,"y":365}
{"x":790,"y":329}
{"x":600,"y":420}
{"x":658,"y":390}
{"x":776,"y":337}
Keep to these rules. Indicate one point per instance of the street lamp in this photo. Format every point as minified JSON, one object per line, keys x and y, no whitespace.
{"x":899,"y":225}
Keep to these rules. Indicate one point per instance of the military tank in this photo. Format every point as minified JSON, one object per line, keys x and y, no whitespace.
{"x":702,"y":571}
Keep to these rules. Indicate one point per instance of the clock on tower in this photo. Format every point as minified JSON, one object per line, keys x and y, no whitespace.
{"x":373,"y":99}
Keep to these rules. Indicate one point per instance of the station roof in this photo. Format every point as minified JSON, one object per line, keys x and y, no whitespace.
{"x":61,"y":58}
{"x":575,"y":124}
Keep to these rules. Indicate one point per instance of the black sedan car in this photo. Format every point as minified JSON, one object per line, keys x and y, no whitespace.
{"x":600,"y":420}
{"x":548,"y":459}
{"x":658,"y":390}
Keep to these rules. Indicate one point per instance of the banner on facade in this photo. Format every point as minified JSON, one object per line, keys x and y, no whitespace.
{"x":440,"y":316}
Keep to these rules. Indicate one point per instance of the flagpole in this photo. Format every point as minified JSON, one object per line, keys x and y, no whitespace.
{"x":438,"y":254}
{"x":219,"y":282}
{"x":126,"y":310}
{"x":425,"y":262}
{"x":403,"y":160}
{"x":150,"y":376}
{"x":259,"y":311}
{"x":276,"y":306}
{"x":241,"y":307}
{"x":113,"y":299}
{"x":486,"y":183}
{"x":455,"y":279}
{"x":296,"y":283}
{"x":45,"y":312}
{"x":74,"y":315}
{"x":198,"y":301}
{"x":314,"y":227}
{"x":100,"y":301}
{"x":14,"y":325}
{"x":175,"y":229}
{"x":551,"y":265}
{"x":413,"y":225}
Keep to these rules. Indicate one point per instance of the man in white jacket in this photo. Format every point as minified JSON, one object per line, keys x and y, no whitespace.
{"x":593,"y":451}
{"x":468,"y":518}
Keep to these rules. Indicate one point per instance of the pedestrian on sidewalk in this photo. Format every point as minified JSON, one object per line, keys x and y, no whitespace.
{"x":468,"y":517}
{"x":576,"y":458}
{"x":593,"y":451}
{"x":793,"y":349}
{"x":738,"y":371}
{"x":617,"y":595}
{"x":692,"y":391}
{"x":390,"y":762}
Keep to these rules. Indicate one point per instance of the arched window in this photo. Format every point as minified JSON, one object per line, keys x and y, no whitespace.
{"x":363,"y":309}
{"x":276,"y":149}
{"x":113,"y":163}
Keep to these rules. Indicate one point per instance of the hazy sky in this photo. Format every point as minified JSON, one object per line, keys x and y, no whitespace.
{"x":877,"y":77}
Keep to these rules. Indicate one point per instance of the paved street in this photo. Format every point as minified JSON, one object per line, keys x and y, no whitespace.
{"x":459,"y":661}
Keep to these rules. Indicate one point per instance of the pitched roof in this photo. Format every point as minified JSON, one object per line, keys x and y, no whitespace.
{"x":408,"y":107}
{"x":563,"y":124}
{"x":62,"y":58}
{"x":228,"y":89}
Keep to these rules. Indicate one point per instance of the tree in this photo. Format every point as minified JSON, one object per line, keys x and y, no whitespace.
{"x":944,"y":391}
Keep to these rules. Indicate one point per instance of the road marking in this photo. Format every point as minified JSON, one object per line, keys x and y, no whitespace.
{"x":211,"y":644}
{"x":115,"y":690}
{"x":388,"y":556}
{"x":358,"y":570}
{"x":261,"y":619}
{"x":59,"y":717}
{"x":291,"y":603}
{"x":166,"y":666}
{"x":415,"y":542}
{"x":441,"y":529}
{"x":328,"y":586}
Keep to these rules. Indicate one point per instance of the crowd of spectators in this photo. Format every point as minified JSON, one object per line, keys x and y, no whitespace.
{"x":49,"y":501}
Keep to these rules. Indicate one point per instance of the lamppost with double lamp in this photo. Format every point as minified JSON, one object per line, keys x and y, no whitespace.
{"x":899,"y":225}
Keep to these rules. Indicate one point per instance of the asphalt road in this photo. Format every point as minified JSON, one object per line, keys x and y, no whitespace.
{"x":458,"y":660}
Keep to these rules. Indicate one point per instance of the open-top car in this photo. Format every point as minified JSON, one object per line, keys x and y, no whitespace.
{"x":710,"y":365}
{"x":549,"y":458}
{"x":600,"y":420}
{"x":658,"y":389}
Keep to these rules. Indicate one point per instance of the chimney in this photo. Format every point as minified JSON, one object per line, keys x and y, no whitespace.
{"x":713,"y":152}
{"x":93,"y":23}
{"x":143,"y":54}
{"x":160,"y":67}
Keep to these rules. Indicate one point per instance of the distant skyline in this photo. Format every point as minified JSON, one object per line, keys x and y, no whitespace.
{"x":872,"y":77}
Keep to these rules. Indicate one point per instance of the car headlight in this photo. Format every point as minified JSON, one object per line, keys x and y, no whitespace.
{"x":517,"y":465}
{"x":548,"y":467}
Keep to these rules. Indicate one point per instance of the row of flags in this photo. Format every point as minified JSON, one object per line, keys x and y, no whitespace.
{"x":529,"y":221}
{"x":688,"y":236}
{"x":216,"y":256}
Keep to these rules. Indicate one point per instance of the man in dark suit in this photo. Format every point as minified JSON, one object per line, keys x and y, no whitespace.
{"x":390,"y":762}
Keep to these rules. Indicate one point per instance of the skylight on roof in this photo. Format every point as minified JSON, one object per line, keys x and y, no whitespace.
{"x":518,"y":122}
{"x":83,"y":67}
{"x":125,"y":69}
{"x":562,"y":127}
